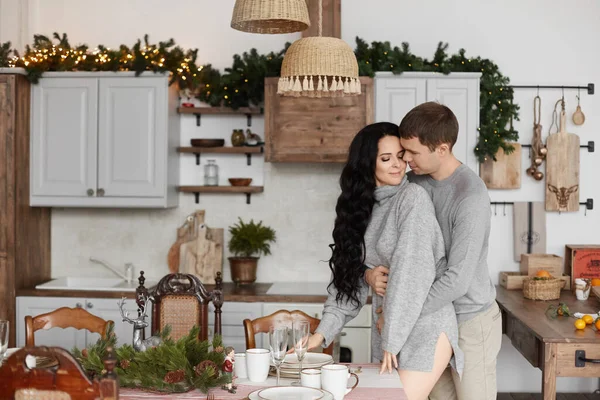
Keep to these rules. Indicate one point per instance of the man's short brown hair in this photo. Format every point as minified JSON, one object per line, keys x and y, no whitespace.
{"x":433,"y":123}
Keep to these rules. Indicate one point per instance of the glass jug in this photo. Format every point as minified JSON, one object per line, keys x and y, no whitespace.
{"x":211,"y":173}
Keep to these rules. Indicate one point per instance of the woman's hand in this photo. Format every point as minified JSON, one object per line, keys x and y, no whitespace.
{"x":314,"y":341}
{"x":377,"y":278}
{"x":388,"y":360}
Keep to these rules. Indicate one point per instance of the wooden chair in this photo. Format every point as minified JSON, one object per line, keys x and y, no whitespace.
{"x":65,"y":317}
{"x":281,"y":317}
{"x":181,"y":301}
{"x":67,"y":380}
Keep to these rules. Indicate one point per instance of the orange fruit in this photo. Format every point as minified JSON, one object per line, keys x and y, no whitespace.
{"x":542,"y":273}
{"x":580,"y":324}
{"x":597,"y":324}
{"x":588,"y":319}
{"x":596,"y":282}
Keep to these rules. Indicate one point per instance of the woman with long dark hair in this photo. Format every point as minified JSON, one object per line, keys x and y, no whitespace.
{"x":382,"y":219}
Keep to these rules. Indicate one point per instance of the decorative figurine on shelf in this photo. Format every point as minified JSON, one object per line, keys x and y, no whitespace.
{"x":252,"y":139}
{"x":228,"y":369}
{"x":138,"y":326}
{"x":237,"y":137}
{"x":189,"y":95}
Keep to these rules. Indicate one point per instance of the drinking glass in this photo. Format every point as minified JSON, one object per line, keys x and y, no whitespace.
{"x":3,"y":338}
{"x":300,"y":334}
{"x":278,"y":341}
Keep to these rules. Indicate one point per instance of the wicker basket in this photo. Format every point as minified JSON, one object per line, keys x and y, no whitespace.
{"x":542,"y":289}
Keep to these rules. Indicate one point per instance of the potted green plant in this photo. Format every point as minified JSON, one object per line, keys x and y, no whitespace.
{"x":248,"y":241}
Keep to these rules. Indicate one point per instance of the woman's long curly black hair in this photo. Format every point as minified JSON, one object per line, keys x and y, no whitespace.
{"x":353,"y":210}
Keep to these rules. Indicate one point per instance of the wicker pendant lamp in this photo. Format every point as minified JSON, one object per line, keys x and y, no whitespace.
{"x":270,"y":16}
{"x":319,"y":67}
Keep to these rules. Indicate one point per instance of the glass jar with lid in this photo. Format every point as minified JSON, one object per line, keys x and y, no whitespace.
{"x":211,"y":173}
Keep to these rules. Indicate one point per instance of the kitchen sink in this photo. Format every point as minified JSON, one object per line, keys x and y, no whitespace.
{"x":98,"y":284}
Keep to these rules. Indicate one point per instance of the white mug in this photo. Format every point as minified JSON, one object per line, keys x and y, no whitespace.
{"x":258,"y":362}
{"x":582,"y":288}
{"x":310,"y":378}
{"x":241,"y":371}
{"x":334,"y":379}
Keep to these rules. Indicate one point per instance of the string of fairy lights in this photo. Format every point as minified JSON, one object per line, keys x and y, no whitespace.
{"x":242,"y":84}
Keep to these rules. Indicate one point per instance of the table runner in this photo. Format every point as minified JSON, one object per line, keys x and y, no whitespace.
{"x":371,"y":387}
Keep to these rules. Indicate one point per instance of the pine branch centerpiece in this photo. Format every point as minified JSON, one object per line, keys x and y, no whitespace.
{"x":170,"y":367}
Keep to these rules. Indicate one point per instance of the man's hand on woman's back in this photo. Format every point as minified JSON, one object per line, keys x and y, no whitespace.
{"x":377,"y":279}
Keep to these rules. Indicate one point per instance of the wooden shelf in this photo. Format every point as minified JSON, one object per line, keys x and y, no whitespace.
{"x":198,"y":111}
{"x":247,"y":150}
{"x":248,"y":190}
{"x":219,"y":110}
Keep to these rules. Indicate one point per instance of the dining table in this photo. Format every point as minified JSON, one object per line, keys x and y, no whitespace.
{"x":371,"y":386}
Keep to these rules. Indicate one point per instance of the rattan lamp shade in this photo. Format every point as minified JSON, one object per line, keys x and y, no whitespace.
{"x":319,"y":67}
{"x":270,"y":16}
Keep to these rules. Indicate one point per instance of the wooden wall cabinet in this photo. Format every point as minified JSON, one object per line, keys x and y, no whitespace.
{"x":301,"y":129}
{"x":24,"y":231}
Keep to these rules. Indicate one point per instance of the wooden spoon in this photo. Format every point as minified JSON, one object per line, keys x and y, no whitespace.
{"x":578,"y":115}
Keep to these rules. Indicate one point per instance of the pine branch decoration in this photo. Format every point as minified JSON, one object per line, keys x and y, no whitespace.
{"x":171,"y":367}
{"x":242,"y":84}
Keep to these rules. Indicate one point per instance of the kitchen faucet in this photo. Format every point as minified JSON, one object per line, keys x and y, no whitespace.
{"x":128,"y":269}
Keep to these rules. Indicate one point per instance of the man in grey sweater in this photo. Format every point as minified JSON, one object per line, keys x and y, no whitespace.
{"x":462,"y":208}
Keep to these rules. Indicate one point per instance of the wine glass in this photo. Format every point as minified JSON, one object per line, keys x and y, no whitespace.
{"x":278,"y":341}
{"x":300,"y":333}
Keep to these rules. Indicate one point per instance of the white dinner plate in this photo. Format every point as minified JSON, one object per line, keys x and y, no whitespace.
{"x":311,"y":360}
{"x":290,"y":393}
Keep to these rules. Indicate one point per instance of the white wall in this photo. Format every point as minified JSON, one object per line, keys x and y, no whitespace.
{"x":533,"y":42}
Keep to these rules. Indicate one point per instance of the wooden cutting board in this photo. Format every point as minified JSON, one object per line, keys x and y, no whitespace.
{"x":562,"y":170}
{"x":184,"y":233}
{"x":505,"y":172}
{"x":203,"y":256}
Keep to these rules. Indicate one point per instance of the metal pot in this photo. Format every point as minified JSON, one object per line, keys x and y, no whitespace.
{"x":243,"y":269}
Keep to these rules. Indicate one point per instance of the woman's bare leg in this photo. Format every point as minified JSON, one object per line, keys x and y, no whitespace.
{"x":418,"y":385}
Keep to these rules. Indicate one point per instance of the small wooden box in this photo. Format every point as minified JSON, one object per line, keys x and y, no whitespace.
{"x":582,"y":261}
{"x":532,"y":263}
{"x":514,"y":280}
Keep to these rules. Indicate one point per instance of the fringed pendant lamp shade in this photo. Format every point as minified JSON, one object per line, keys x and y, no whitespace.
{"x":270,"y":16}
{"x":319,"y":66}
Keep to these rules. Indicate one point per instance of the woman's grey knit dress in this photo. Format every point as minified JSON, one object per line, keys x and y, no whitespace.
{"x":403,"y":233}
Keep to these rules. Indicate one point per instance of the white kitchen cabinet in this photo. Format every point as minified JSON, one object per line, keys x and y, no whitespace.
{"x":395,"y":95}
{"x":68,"y":338}
{"x":356,"y":335}
{"x":104,"y":140}
{"x":232,"y":323}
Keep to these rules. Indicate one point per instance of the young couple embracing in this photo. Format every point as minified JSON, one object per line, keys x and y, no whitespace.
{"x":419,"y":240}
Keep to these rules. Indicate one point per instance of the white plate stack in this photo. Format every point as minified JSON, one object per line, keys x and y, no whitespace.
{"x":290,"y":368}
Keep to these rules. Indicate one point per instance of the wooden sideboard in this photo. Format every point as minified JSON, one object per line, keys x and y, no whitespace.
{"x":552,"y":345}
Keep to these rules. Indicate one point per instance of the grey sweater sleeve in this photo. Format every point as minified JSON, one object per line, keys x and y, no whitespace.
{"x":412,"y":270}
{"x":336,"y":315}
{"x":469,"y":231}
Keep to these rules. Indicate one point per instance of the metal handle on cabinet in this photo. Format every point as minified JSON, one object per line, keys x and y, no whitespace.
{"x":580,"y":359}
{"x":89,"y":305}
{"x":90,"y":192}
{"x":100,"y":192}
{"x":78,"y":305}
{"x":343,"y":334}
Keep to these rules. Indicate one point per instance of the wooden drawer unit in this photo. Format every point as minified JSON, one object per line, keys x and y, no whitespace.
{"x":567,"y":363}
{"x":523,"y":340}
